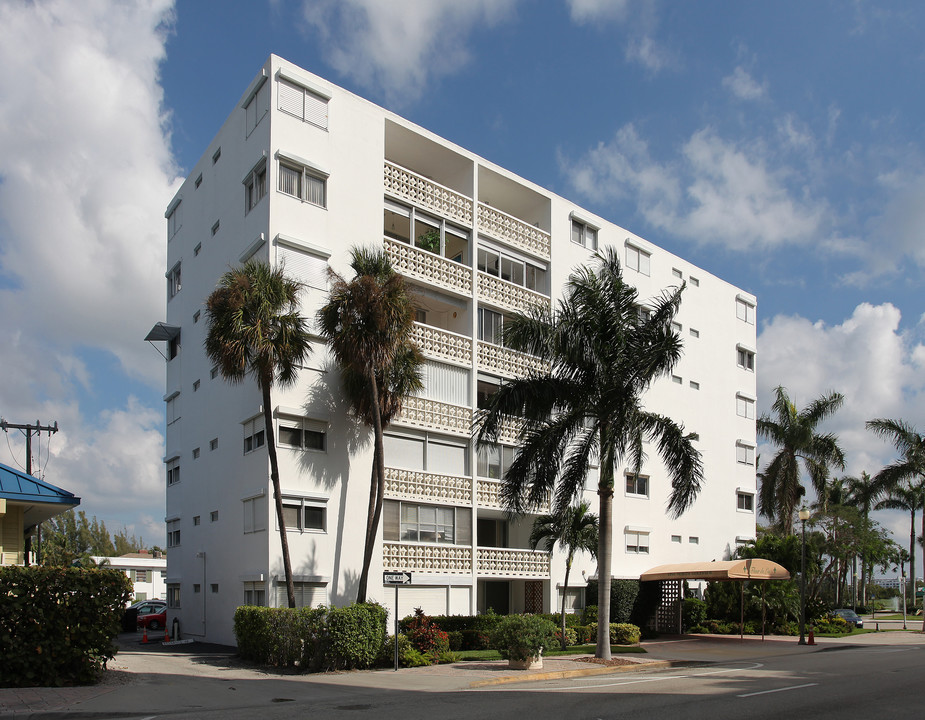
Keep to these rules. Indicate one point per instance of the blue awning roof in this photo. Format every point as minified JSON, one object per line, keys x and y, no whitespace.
{"x":17,"y":486}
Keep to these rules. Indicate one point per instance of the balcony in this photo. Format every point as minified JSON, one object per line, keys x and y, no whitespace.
{"x":517,"y":233}
{"x":435,"y":415}
{"x":507,"y":295}
{"x":418,"y":485}
{"x":429,"y":268}
{"x":506,"y":362}
{"x":488,"y":495}
{"x":443,"y":344}
{"x":512,"y":562}
{"x":432,"y":559}
{"x":421,"y":192}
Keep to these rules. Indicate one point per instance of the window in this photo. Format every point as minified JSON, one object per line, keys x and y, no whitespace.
{"x":255,"y":514}
{"x":494,"y":460}
{"x":174,"y":219}
{"x":255,"y":187}
{"x":694,"y":333}
{"x":303,"y":434}
{"x":197,"y":249}
{"x":490,"y":327}
{"x":196,"y":316}
{"x":303,"y":184}
{"x":678,"y":274}
{"x":745,"y":359}
{"x":213,"y":516}
{"x":197,"y":588}
{"x":305,"y":514}
{"x":427,"y":452}
{"x":584,"y":235}
{"x":196,"y":520}
{"x":745,"y":407}
{"x":695,"y":282}
{"x":173,"y":281}
{"x":513,"y":269}
{"x":196,"y":453}
{"x":173,"y":346}
{"x":745,"y":501}
{"x":430,"y":233}
{"x":693,"y":540}
{"x":677,"y":379}
{"x":254,"y":435}
{"x":215,"y":227}
{"x":676,"y":538}
{"x":256,"y":107}
{"x":745,"y":311}
{"x":195,"y":385}
{"x":213,"y":373}
{"x":303,"y":103}
{"x":307,"y":594}
{"x":216,"y":155}
{"x":198,"y":180}
{"x":574,"y":600}
{"x":637,"y":259}
{"x":141,"y":576}
{"x":413,"y":522}
{"x":213,"y":444}
{"x":172,"y":408}
{"x":676,"y":327}
{"x":173,"y":472}
{"x":637,"y":484}
{"x":213,"y":587}
{"x":173,"y":596}
{"x":637,"y":542}
{"x":255,"y":593}
{"x":694,"y":385}
{"x":173,"y":533}
{"x":745,"y":454}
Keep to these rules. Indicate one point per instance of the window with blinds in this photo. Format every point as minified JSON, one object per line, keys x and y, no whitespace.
{"x":256,"y":108}
{"x":307,"y":594}
{"x":301,"y":183}
{"x":303,"y":103}
{"x":414,"y":522}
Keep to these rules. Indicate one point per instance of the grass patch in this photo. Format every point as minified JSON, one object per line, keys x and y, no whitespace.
{"x":475,"y":655}
{"x":897,"y":616}
{"x":856,"y":631}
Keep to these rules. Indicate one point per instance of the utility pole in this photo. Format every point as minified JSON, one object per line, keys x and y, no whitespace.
{"x":27,"y":430}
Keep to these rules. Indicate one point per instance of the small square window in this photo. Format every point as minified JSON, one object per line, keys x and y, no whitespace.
{"x":196,"y":316}
{"x":745,"y":359}
{"x":196,"y":519}
{"x":694,"y":385}
{"x":678,"y":274}
{"x":637,"y":485}
{"x":745,"y":502}
{"x":676,"y":379}
{"x":693,"y":540}
{"x":215,"y":227}
{"x":676,"y":327}
{"x":197,"y":588}
{"x":195,"y":453}
{"x":213,"y":444}
{"x":676,"y":538}
{"x":199,"y":181}
{"x":213,"y":373}
{"x":197,"y":249}
{"x":195,"y":385}
{"x":695,"y":282}
{"x":213,"y":516}
{"x":694,"y":333}
{"x":216,"y":155}
{"x":214,"y":587}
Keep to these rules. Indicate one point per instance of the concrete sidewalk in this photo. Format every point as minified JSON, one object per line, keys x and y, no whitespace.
{"x":154,"y":679}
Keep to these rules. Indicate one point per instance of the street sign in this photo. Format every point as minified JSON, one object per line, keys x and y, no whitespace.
{"x":396,"y":578}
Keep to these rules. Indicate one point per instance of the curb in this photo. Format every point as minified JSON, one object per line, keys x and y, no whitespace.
{"x":563,"y":674}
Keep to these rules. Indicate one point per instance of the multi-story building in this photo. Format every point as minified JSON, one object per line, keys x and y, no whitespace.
{"x":148,"y":573}
{"x":299,"y":173}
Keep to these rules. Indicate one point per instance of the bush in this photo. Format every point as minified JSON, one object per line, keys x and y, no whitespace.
{"x":57,"y":624}
{"x":475,"y":640}
{"x":589,"y":615}
{"x":353,"y":636}
{"x":586,"y":634}
{"x":694,"y":612}
{"x":456,"y":640}
{"x":624,"y":634}
{"x":571,"y":637}
{"x":407,"y":655}
{"x":427,"y":637}
{"x":522,"y":637}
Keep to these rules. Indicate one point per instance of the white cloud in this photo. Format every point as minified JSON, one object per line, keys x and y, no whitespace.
{"x":744,"y":86}
{"x":650,"y":54}
{"x":402,"y":45}
{"x":86,"y":173}
{"x":590,"y":11}
{"x":715,"y":192}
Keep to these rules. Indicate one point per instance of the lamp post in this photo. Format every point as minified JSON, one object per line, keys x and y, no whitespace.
{"x":804,"y":516}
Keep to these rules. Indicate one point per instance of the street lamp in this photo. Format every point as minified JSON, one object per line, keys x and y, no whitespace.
{"x":804,"y":516}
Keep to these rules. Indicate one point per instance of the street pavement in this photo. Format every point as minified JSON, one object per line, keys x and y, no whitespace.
{"x":145,"y":680}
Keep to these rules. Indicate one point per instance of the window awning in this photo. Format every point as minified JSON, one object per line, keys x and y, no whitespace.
{"x":751,"y":569}
{"x":162,"y":331}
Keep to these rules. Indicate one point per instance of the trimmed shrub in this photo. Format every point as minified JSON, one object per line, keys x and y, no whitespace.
{"x":475,"y":640}
{"x":522,"y":637}
{"x":624,"y":634}
{"x":57,"y":624}
{"x":353,"y":636}
{"x":571,"y":637}
{"x":280,"y":637}
{"x":456,"y":640}
{"x":589,"y":614}
{"x":585,"y":634}
{"x":693,"y":612}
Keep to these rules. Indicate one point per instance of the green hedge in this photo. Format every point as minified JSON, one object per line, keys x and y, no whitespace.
{"x":311,"y":638}
{"x":57,"y":624}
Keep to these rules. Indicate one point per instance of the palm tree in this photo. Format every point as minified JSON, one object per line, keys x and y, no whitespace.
{"x":863,"y":492}
{"x":908,"y":498}
{"x":910,"y":470}
{"x":368,"y":322}
{"x":794,"y":433}
{"x":604,"y":349}
{"x":577,"y":530}
{"x":255,"y":329}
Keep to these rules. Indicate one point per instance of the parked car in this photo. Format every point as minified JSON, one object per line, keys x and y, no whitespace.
{"x":145,"y":613}
{"x":850,"y":617}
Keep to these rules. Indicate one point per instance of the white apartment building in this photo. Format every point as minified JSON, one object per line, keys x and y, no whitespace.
{"x":147,"y":572}
{"x":300,"y":172}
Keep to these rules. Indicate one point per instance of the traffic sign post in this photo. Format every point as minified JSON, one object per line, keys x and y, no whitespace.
{"x":396,"y":579}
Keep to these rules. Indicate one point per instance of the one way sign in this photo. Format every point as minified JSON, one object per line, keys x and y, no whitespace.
{"x":396,"y":578}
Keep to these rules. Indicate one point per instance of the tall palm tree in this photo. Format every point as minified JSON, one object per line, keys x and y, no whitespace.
{"x":604,"y":349}
{"x":909,"y":470}
{"x":255,"y":329}
{"x":368,"y":322}
{"x":576,"y":530}
{"x":794,"y":433}
{"x":908,"y":498}
{"x":863,"y":492}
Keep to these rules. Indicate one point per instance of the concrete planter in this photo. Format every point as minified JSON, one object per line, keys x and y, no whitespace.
{"x":534,"y":663}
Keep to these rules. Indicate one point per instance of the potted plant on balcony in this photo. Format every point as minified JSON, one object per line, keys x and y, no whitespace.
{"x":521,"y":638}
{"x":429,"y":241}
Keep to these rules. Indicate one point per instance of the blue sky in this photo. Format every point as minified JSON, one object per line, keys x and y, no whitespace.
{"x":777,"y":145}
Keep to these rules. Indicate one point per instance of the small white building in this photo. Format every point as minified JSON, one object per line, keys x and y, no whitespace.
{"x":301,"y":171}
{"x":147,"y":571}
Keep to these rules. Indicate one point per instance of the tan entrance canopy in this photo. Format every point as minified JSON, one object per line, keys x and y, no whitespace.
{"x":751,"y":569}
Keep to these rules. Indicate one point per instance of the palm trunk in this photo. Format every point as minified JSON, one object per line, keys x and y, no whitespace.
{"x":604,"y":546}
{"x":377,"y":489}
{"x":568,"y":569}
{"x":277,"y":492}
{"x":911,"y":548}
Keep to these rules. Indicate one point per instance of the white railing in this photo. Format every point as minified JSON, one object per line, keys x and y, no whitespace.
{"x":418,"y":485}
{"x":509,"y":431}
{"x":409,"y":260}
{"x":507,"y":362}
{"x":443,"y":344}
{"x":488,"y":495}
{"x":407,"y":185}
{"x":435,"y":415}
{"x":507,"y":294}
{"x":506,"y":227}
{"x":510,"y":562}
{"x":427,"y":558}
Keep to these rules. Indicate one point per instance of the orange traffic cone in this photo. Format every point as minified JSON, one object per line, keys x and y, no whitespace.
{"x":144,"y":637}
{"x":166,"y":635}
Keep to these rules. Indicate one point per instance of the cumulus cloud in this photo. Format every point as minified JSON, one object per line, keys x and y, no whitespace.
{"x":590,"y":11}
{"x":715,"y":192}
{"x":743,"y":86}
{"x":401,"y":45}
{"x":86,"y":173}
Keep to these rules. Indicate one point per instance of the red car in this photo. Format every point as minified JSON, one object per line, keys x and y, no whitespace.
{"x":152,"y":615}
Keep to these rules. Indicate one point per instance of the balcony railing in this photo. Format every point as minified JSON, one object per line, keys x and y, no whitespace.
{"x":433,"y":269}
{"x":515,"y":232}
{"x":488,"y":495}
{"x":418,"y":485}
{"x":510,"y":562}
{"x":503,"y":361}
{"x":443,"y":344}
{"x":435,"y":415}
{"x":402,"y":183}
{"x":508,"y":295}
{"x":434,"y":559}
